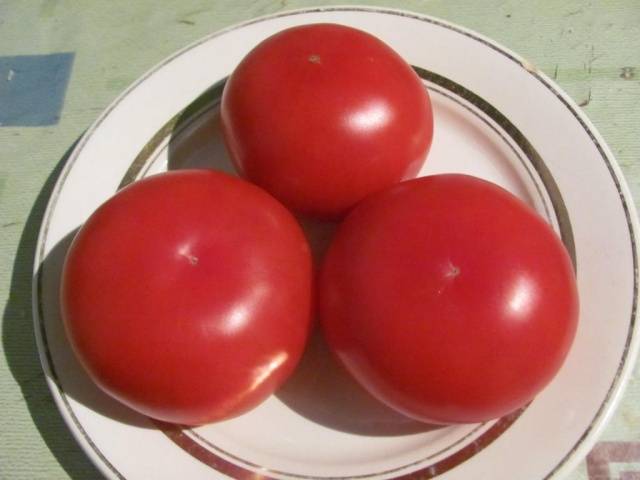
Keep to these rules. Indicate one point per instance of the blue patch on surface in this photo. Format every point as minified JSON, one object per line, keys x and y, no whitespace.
{"x":32,"y":88}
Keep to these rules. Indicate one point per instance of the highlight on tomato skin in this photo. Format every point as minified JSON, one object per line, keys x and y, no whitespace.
{"x":449,"y":299}
{"x":187,"y":296}
{"x":323,"y":115}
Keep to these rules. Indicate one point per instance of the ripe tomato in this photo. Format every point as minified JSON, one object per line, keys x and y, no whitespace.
{"x":187,"y":296}
{"x":322,"y":115}
{"x":448,"y":299}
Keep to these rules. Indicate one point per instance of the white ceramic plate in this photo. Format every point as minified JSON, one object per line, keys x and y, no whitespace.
{"x":497,"y":117}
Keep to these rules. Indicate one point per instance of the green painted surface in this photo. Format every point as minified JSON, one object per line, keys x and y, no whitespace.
{"x":591,"y":48}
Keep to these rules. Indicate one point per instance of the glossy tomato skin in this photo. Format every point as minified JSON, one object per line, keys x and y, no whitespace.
{"x":322,"y":115}
{"x":187,"y":296}
{"x":449,"y":299}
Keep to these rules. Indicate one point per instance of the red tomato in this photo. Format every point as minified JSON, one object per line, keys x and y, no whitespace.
{"x":322,"y":115}
{"x":449,"y":299}
{"x":187,"y":296}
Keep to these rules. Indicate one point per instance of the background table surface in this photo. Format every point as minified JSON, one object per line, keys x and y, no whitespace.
{"x":591,"y":49}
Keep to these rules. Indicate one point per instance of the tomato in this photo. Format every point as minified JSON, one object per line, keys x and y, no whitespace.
{"x":186,"y":296}
{"x":322,"y":115}
{"x":449,"y":299}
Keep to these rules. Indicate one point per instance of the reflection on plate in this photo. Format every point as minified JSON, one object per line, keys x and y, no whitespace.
{"x":495,"y":119}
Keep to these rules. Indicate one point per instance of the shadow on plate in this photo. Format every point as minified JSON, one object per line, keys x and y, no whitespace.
{"x":321,"y":390}
{"x":196,"y":139}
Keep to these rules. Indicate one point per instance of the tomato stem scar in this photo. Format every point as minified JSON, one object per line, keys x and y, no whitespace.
{"x":453,"y":271}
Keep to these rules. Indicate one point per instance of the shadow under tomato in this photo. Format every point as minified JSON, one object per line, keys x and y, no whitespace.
{"x":196,"y":139}
{"x":198,"y":143}
{"x":322,"y":391}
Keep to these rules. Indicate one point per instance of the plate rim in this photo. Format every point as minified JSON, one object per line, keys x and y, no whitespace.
{"x":632,"y":345}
